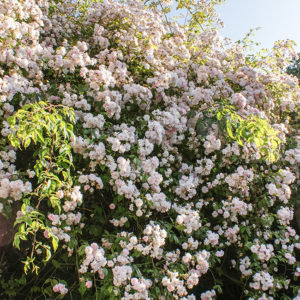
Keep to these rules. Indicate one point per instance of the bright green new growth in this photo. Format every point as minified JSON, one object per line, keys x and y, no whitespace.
{"x":252,"y":130}
{"x":38,"y":122}
{"x":50,"y":129}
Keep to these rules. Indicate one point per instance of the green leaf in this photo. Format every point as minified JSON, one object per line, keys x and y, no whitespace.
{"x":22,"y":228}
{"x":17,"y":242}
{"x":219,"y":116}
{"x":56,"y":264}
{"x":48,"y":255}
{"x":54,"y":242}
{"x":229,"y":129}
{"x":82,"y":288}
{"x":26,"y":142}
{"x":40,"y":136}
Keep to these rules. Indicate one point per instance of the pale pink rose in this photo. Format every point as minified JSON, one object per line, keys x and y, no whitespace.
{"x":89,"y":284}
{"x":51,"y":217}
{"x":56,"y":289}
{"x":126,"y":252}
{"x":134,"y":281}
{"x":170,"y":288}
{"x":101,"y":274}
{"x":46,"y":234}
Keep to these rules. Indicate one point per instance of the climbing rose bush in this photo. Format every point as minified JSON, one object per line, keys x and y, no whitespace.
{"x":177,"y":175}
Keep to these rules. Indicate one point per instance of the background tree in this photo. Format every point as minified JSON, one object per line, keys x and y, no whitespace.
{"x":150,"y":159}
{"x":294,"y":68}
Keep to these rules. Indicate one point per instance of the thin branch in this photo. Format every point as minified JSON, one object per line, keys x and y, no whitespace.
{"x":236,"y":281}
{"x":191,"y":13}
{"x":165,"y":16}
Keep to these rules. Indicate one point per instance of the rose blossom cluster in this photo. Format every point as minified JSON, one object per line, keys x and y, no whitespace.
{"x":94,"y":258}
{"x":139,"y":287}
{"x":60,"y":288}
{"x":162,"y":194}
{"x":14,"y":189}
{"x":262,"y":280}
{"x":264,"y":252}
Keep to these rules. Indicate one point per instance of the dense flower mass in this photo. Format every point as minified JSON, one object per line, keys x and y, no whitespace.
{"x":185,"y":155}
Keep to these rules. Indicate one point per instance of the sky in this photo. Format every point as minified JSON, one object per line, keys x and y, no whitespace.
{"x":277,"y":19}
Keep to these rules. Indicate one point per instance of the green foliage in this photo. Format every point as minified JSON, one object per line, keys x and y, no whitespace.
{"x":210,"y":188}
{"x":197,"y":15}
{"x":41,"y":123}
{"x":202,"y":13}
{"x":294,"y":68}
{"x":49,"y":127}
{"x":253,"y":130}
